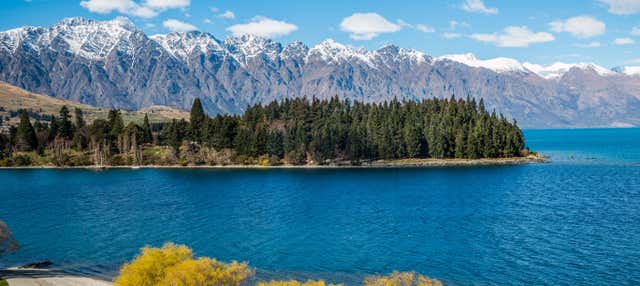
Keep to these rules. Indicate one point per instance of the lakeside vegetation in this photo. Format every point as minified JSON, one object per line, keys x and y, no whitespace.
{"x":290,"y":132}
{"x":175,"y":265}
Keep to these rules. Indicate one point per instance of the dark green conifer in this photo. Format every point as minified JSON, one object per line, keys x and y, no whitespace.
{"x":25,"y":134}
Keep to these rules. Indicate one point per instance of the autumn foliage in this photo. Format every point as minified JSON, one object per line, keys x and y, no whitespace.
{"x":174,"y":265}
{"x":401,"y":279}
{"x":296,"y":283}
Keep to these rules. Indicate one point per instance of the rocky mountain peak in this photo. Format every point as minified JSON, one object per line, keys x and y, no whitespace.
{"x":296,"y":50}
{"x":182,"y":45}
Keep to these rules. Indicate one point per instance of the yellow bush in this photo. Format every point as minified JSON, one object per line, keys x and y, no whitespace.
{"x":173,"y":265}
{"x":295,"y":283}
{"x":401,"y":279}
{"x":148,"y":268}
{"x":206,"y":272}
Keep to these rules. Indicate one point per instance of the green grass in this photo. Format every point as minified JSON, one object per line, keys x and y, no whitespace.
{"x":4,"y":282}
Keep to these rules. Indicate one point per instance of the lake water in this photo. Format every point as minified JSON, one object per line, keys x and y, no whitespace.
{"x":575,"y":221}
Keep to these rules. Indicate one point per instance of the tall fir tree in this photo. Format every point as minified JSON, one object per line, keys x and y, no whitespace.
{"x":147,"y":135}
{"x":26,"y":139}
{"x":66,"y":126}
{"x":79,"y":117}
{"x":196,"y":121}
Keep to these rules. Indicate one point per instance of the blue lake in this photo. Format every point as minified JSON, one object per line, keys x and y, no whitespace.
{"x":575,"y":221}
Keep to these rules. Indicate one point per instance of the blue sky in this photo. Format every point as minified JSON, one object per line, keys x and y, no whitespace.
{"x":606,"y":32}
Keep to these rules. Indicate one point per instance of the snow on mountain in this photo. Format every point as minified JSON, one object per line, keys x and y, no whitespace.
{"x":499,"y":65}
{"x":183,"y":44}
{"x":12,"y":39}
{"x":557,"y":70}
{"x":630,"y":71}
{"x":333,"y":52}
{"x":83,"y":37}
{"x":246,"y":47}
{"x":295,"y":50}
{"x":394,"y":54}
{"x":92,"y":39}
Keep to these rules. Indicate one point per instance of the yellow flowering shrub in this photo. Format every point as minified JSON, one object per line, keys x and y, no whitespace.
{"x":206,"y":272}
{"x":401,"y":279}
{"x":295,"y":283}
{"x":174,"y":265}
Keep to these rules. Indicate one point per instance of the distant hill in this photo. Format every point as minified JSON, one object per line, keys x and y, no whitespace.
{"x":13,"y":98}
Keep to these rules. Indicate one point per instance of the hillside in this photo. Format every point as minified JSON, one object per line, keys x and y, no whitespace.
{"x":13,"y":98}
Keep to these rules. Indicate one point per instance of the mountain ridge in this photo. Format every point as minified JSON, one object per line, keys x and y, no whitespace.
{"x":114,"y":64}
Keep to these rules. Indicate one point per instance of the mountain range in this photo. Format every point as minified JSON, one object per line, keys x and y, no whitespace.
{"x":114,"y":64}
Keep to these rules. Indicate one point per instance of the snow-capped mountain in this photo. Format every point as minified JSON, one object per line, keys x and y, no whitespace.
{"x":183,"y":45}
{"x":557,"y":70}
{"x":114,"y":64}
{"x":630,"y":71}
{"x":499,"y":65}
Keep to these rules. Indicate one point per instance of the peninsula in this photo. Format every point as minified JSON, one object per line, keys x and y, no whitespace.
{"x":290,"y":133}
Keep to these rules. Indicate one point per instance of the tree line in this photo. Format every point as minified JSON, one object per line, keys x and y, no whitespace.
{"x":292,"y":131}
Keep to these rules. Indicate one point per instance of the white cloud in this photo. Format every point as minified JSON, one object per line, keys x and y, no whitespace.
{"x":263,"y":27}
{"x":214,"y":9}
{"x":148,"y":9}
{"x":477,"y":6}
{"x":127,"y":7}
{"x":207,"y":21}
{"x":635,"y":31}
{"x":451,"y":35}
{"x":622,"y":7}
{"x":167,"y":4}
{"x":581,"y":26}
{"x":589,"y":45}
{"x":623,"y":41}
{"x":227,"y":15}
{"x":455,"y":24}
{"x":514,"y":36}
{"x":635,"y":61}
{"x":178,"y":26}
{"x":424,"y":28}
{"x":366,"y":26}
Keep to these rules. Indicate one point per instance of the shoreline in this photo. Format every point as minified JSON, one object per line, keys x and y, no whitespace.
{"x":35,"y":277}
{"x":378,"y":164}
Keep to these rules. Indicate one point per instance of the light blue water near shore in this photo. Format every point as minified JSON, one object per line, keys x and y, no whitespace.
{"x":575,"y":221}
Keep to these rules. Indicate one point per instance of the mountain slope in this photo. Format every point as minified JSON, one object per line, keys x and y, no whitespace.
{"x":13,"y":98}
{"x":113,"y":64}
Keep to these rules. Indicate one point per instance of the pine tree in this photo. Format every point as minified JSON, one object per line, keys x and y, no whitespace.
{"x":53,"y":129}
{"x":196,"y":121}
{"x":25,"y":134}
{"x":411,"y":140}
{"x":147,"y":136}
{"x":66,"y":127}
{"x":79,"y":118}
{"x":115,"y":122}
{"x":275,"y":144}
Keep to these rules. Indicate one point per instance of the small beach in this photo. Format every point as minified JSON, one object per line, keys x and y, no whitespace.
{"x":43,"y":277}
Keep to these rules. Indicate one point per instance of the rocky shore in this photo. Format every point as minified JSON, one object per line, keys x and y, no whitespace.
{"x":401,"y":163}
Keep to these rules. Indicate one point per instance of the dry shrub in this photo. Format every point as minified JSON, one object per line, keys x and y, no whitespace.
{"x":401,"y":279}
{"x":174,"y":265}
{"x":206,"y":272}
{"x":296,"y":283}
